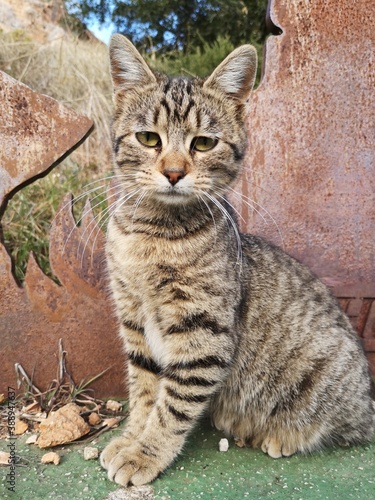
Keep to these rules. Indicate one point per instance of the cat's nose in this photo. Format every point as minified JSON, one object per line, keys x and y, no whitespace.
{"x":174,"y":175}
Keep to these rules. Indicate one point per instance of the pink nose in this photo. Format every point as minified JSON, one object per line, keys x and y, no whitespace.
{"x":174,"y":175}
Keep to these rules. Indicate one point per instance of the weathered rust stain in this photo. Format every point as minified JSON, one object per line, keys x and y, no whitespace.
{"x":311,"y":157}
{"x":35,"y":132}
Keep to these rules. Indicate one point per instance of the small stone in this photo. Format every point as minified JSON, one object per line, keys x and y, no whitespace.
{"x":133,"y":493}
{"x":63,"y":426}
{"x":94,"y":419}
{"x":4,"y":458}
{"x":32,"y":439}
{"x":20,"y":427}
{"x":51,"y":458}
{"x":223,"y":444}
{"x":113,"y":405}
{"x":90,"y":453}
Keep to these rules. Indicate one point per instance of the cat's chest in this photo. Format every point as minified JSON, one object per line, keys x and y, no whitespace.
{"x":140,"y":262}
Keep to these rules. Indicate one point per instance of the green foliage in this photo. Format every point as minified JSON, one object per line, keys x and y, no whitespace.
{"x":29,"y":214}
{"x":201,"y":62}
{"x":179,"y":24}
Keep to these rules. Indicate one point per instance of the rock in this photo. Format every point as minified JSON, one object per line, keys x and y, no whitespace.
{"x":51,"y":458}
{"x":90,"y":453}
{"x":132,"y":493}
{"x":223,"y":444}
{"x":32,"y":439}
{"x":4,"y":458}
{"x":62,"y":426}
{"x":20,"y":427}
{"x":113,"y":405}
{"x":94,"y":419}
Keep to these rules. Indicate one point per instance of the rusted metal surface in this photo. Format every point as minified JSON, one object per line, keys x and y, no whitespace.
{"x":311,"y":161}
{"x":35,"y":132}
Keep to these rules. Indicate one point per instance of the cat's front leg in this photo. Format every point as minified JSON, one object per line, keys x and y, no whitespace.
{"x":143,"y":380}
{"x":202,"y":358}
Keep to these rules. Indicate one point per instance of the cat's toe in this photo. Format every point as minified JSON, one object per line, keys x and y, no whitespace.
{"x":272,"y":447}
{"x":132,"y":466}
{"x":112,"y":450}
{"x":277,"y":449}
{"x":288,"y":450}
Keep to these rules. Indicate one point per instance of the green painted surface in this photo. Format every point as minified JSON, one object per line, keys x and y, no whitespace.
{"x":202,"y":472}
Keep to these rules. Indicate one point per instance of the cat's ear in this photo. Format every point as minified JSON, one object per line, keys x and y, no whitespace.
{"x":235,"y":76}
{"x":128,"y":68}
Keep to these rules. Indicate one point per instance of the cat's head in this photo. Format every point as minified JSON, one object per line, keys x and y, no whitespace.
{"x":177,"y":139}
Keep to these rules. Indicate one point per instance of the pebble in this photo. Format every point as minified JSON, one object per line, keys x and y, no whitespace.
{"x":90,"y":453}
{"x":223,"y":444}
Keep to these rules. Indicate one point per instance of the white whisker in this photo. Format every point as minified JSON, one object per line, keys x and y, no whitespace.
{"x":200,"y":198}
{"x":115,"y":205}
{"x":229,"y":218}
{"x":245,"y":198}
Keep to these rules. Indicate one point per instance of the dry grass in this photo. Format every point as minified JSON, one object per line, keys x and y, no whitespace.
{"x":73,"y":71}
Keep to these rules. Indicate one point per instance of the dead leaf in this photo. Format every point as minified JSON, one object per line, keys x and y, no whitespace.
{"x":51,"y":458}
{"x":63,"y":426}
{"x":113,"y":405}
{"x":32,"y":408}
{"x":2,"y":399}
{"x":20,"y":427}
{"x":111,"y":422}
{"x":4,"y":458}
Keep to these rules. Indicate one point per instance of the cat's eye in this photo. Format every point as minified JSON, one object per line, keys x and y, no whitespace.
{"x":203,"y":144}
{"x":149,"y":139}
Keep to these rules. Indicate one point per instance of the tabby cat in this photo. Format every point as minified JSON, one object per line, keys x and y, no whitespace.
{"x":211,"y":318}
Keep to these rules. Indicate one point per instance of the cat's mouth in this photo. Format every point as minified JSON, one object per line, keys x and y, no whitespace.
{"x":174,"y":195}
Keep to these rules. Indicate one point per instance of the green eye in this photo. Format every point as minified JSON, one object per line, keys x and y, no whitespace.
{"x":149,"y":139}
{"x":203,"y":143}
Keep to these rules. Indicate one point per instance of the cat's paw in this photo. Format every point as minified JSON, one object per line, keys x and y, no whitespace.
{"x":113,"y":448}
{"x":131,"y":465}
{"x":277,"y":449}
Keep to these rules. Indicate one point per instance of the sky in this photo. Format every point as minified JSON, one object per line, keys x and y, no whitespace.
{"x":102,"y":32}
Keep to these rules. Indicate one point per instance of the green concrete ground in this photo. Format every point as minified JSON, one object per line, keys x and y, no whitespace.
{"x":202,"y":472}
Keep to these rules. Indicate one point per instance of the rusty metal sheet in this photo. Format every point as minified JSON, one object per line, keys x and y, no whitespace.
{"x":34,"y":317}
{"x":311,"y":156}
{"x":35,"y":133}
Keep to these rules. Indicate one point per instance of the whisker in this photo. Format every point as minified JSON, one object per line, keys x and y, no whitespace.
{"x":110,"y":177}
{"x":200,"y":198}
{"x":76,"y":199}
{"x":85,"y":212}
{"x":89,"y":191}
{"x":228,"y":217}
{"x":93,"y":221}
{"x":232,"y":207}
{"x":245,"y":198}
{"x":137,"y":202}
{"x":106,"y":211}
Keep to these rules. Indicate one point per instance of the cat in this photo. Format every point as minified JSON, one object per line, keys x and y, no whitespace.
{"x":212,"y":319}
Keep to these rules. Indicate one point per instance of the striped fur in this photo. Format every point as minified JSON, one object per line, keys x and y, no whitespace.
{"x":212,"y":319}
